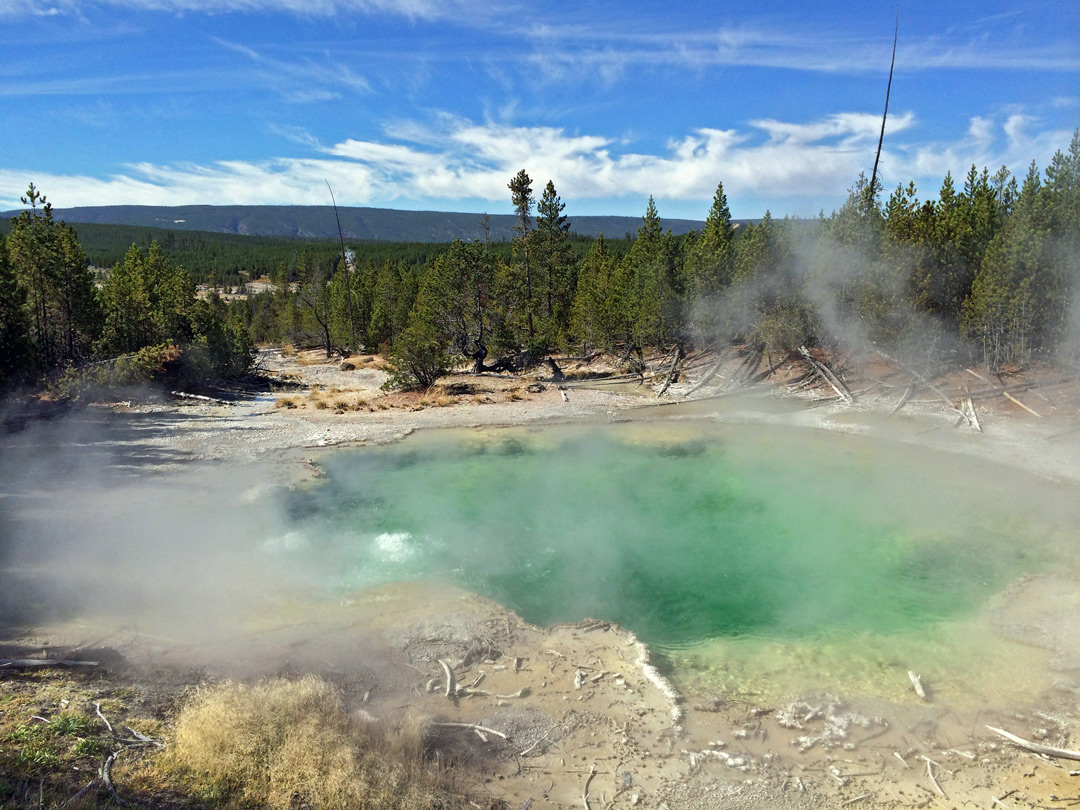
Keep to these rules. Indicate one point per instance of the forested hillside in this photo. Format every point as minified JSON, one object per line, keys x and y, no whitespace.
{"x":986,"y":270}
{"x":319,"y":222}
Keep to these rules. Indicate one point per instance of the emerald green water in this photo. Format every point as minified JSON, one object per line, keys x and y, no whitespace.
{"x":682,"y":534}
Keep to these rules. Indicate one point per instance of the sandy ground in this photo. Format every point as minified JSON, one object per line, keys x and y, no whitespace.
{"x":573,"y":716}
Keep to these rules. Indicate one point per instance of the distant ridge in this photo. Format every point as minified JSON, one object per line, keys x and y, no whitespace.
{"x":318,"y":222}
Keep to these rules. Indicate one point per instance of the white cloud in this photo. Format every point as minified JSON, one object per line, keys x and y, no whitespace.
{"x":455,"y":160}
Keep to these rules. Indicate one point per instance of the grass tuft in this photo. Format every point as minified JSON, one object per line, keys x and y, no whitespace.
{"x":286,"y":744}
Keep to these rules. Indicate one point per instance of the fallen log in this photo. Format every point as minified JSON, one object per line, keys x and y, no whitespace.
{"x":983,"y":393}
{"x":200,"y":398}
{"x":903,"y":399}
{"x":708,"y":375}
{"x":1037,"y":748}
{"x":1013,"y":399}
{"x":672,"y":372}
{"x":972,"y":416}
{"x":826,"y":374}
{"x":39,"y":663}
{"x":918,"y":377}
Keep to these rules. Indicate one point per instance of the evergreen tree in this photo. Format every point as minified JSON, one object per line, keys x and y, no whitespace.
{"x":125,"y":302}
{"x":593,"y":299}
{"x":709,"y":271}
{"x":554,"y":260}
{"x":521,"y":196}
{"x":646,"y":286}
{"x":51,"y":266}
{"x":1017,"y":301}
{"x":16,"y":358}
{"x":145,"y":301}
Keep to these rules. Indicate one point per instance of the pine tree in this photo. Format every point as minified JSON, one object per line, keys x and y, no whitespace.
{"x":128,"y":311}
{"x":1016,"y":300}
{"x":709,"y":270}
{"x":554,"y":260}
{"x":16,"y":358}
{"x":593,"y":299}
{"x":521,"y":196}
{"x":51,"y":266}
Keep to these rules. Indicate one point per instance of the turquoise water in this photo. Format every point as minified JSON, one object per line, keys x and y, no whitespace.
{"x":681,"y":534}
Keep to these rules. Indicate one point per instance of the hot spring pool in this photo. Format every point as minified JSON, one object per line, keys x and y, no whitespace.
{"x":735,"y":551}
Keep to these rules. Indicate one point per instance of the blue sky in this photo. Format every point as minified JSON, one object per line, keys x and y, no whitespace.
{"x":436,"y":104}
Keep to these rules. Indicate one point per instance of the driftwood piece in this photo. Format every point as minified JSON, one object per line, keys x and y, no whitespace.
{"x":919,"y":377}
{"x":916,"y":684}
{"x":973,"y":417}
{"x":474,"y":727}
{"x":1038,"y":748}
{"x":672,"y":372}
{"x":903,"y":399}
{"x":997,"y":391}
{"x":585,"y":792}
{"x":106,"y":776}
{"x":540,"y":739}
{"x":708,"y":375}
{"x":1013,"y":399}
{"x":933,"y":778}
{"x":826,"y":374}
{"x":200,"y":398}
{"x":108,"y":725}
{"x":451,"y":681}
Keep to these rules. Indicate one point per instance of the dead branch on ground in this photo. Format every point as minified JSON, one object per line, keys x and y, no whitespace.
{"x":1038,"y":748}
{"x":474,"y":727}
{"x":585,"y":792}
{"x":827,"y":375}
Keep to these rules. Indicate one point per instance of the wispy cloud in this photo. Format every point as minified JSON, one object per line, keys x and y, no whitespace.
{"x":413,"y":9}
{"x":459,"y":160}
{"x":568,"y":51}
{"x":301,"y":79}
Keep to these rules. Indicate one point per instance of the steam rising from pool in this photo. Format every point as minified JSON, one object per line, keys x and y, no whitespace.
{"x":682,"y":537}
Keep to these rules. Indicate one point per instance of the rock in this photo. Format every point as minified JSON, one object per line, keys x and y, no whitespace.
{"x":347,"y":366}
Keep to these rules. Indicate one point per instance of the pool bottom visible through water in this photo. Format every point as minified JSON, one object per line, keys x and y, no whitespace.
{"x":729,"y":550}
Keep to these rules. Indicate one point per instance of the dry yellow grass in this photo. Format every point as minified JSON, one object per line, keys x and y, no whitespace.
{"x":285,"y":744}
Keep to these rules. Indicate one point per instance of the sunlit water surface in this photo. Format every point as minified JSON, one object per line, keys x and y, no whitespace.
{"x":755,"y":559}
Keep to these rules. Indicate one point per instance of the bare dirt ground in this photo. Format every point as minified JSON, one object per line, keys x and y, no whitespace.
{"x":576,"y":716}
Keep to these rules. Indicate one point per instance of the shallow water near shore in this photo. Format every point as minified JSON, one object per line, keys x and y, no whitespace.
{"x":757,"y":560}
